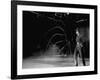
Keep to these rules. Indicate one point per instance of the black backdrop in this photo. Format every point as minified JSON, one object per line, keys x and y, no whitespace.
{"x":36,"y":25}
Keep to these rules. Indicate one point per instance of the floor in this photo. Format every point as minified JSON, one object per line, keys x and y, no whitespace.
{"x":51,"y":61}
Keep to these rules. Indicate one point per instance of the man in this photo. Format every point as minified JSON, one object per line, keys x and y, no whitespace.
{"x":78,"y":47}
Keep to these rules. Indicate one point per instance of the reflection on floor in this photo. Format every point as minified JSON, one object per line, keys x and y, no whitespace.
{"x":51,"y":61}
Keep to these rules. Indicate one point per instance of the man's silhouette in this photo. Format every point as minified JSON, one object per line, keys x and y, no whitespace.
{"x":78,"y":47}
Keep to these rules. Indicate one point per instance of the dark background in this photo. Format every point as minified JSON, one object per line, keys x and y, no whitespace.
{"x":37,"y":24}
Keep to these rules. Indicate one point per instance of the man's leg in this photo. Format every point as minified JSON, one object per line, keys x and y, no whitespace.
{"x":82,"y":56}
{"x":83,"y":60}
{"x":76,"y":57}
